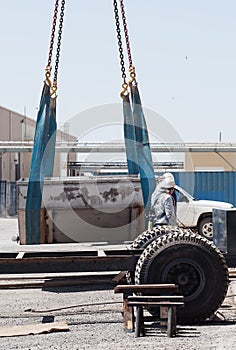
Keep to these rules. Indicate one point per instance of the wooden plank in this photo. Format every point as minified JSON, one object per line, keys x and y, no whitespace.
{"x":120,"y":276}
{"x":164,"y":315}
{"x":171,"y":326}
{"x":14,"y":331}
{"x":146,"y":288}
{"x":139,"y":324}
{"x":156,"y":298}
{"x":44,"y":232}
{"x":21,"y":225}
{"x":155,"y":303}
{"x":128,"y":316}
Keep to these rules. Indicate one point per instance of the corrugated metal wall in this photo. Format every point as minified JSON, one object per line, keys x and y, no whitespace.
{"x":218,"y":185}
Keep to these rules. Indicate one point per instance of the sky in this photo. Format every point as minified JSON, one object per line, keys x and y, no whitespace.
{"x":184,"y":52}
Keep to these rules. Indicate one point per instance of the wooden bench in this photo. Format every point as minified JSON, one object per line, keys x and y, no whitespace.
{"x":153,"y":295}
{"x":167,"y":304}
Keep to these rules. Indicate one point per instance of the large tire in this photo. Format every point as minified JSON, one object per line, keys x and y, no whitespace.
{"x":145,"y":238}
{"x":194,"y":264}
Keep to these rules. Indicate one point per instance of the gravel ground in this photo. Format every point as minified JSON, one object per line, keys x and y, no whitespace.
{"x":96,"y":322}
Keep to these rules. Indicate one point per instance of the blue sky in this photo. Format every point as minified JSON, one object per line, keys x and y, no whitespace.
{"x":184,"y":52}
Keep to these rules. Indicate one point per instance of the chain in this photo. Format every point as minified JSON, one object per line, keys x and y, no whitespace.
{"x":53,"y":32}
{"x":58,"y":45}
{"x":54,"y":22}
{"x":126,"y":32}
{"x":131,"y":67}
{"x":122,"y":63}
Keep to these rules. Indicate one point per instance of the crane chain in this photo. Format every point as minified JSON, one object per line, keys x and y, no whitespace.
{"x":122,"y":63}
{"x":131,"y":66}
{"x":54,"y":23}
{"x":59,"y":44}
{"x":126,"y":33}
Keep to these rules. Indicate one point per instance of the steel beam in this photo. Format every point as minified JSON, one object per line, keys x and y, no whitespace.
{"x":13,"y":147}
{"x":67,"y":262}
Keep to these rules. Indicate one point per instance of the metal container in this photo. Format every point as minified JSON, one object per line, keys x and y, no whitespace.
{"x":86,"y":209}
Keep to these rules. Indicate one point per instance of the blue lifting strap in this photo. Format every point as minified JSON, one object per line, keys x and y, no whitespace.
{"x":42,"y":163}
{"x":144,"y":155}
{"x":130,"y":137}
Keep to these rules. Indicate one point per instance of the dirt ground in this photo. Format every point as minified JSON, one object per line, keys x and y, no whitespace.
{"x":95,"y":322}
{"x":94,"y":317}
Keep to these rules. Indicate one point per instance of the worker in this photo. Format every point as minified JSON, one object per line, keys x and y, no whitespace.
{"x":163,"y":208}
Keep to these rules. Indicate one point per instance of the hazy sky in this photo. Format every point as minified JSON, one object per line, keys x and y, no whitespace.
{"x":184,"y":52}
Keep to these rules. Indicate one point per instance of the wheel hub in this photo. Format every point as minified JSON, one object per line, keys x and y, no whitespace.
{"x":207,"y":230}
{"x":186,"y":276}
{"x":182,"y":280}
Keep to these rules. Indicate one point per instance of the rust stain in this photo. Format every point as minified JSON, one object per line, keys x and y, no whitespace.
{"x":82,"y":193}
{"x":110,"y":195}
{"x":126,"y":191}
{"x":73,"y":193}
{"x":113,"y":193}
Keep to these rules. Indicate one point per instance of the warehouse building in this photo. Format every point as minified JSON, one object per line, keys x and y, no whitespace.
{"x":20,"y":129}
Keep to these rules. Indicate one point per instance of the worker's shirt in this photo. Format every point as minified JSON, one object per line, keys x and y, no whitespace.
{"x":164,"y":210}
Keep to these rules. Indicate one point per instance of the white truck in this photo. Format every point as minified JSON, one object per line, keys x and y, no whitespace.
{"x":197,"y":214}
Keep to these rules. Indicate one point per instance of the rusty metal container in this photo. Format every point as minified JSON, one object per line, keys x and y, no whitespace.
{"x":86,"y":209}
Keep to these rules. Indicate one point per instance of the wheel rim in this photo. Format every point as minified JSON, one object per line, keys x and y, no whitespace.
{"x":207,"y":230}
{"x":187,"y":274}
